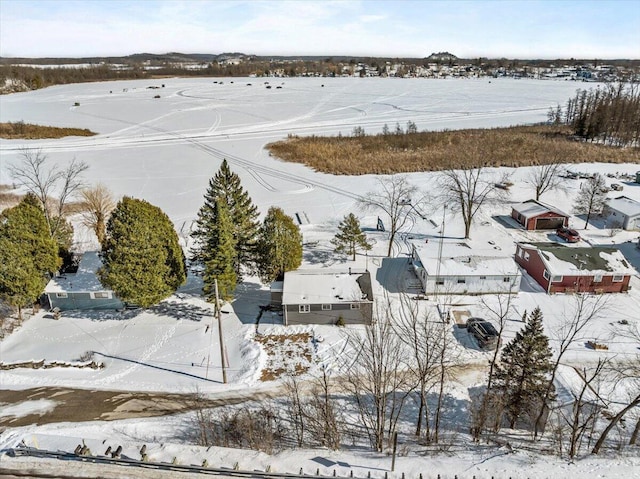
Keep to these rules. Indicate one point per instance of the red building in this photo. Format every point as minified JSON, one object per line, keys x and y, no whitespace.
{"x":534,"y":215}
{"x":565,"y":269}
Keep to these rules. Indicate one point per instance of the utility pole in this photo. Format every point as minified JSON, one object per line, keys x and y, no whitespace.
{"x":219,"y":314}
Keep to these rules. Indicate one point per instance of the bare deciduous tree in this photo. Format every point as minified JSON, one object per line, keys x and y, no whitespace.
{"x":500,"y":310}
{"x":584,"y":412}
{"x":421,"y":335}
{"x":98,"y":205}
{"x":545,"y":178}
{"x":628,"y":373}
{"x":398,"y":199}
{"x":584,"y":310}
{"x":591,"y":197}
{"x":377,"y":378}
{"x":467,"y":191}
{"x":54,"y":187}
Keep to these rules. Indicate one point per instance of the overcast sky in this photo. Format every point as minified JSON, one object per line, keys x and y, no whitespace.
{"x":513,"y":29}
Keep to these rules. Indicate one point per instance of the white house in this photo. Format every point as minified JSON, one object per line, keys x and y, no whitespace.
{"x":622,"y":212}
{"x":453,"y":267}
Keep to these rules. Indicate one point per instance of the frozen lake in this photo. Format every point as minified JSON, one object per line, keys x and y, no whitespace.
{"x":165,"y":149}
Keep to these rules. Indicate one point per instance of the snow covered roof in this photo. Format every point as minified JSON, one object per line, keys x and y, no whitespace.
{"x":464,"y":258}
{"x":84,"y":280}
{"x":624,"y":205}
{"x":325,"y":287}
{"x":572,"y":261}
{"x":532,"y":208}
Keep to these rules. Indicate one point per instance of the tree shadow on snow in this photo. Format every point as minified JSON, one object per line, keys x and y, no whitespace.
{"x":392,"y":274}
{"x":178,"y":310}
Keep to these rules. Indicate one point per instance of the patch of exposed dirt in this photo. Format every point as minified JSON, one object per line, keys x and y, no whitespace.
{"x":286,"y":353}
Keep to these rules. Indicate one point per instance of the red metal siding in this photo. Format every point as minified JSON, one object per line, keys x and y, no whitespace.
{"x":585,"y":284}
{"x":534,"y":266}
{"x":531,"y":222}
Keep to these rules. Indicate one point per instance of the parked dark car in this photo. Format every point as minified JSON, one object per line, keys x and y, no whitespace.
{"x":484,"y":332}
{"x":569,"y":235}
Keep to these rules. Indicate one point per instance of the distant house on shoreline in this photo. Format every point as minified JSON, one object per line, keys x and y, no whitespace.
{"x":81,"y":290}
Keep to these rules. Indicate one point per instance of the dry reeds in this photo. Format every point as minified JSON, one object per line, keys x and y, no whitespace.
{"x":27,"y":131}
{"x":436,"y":151}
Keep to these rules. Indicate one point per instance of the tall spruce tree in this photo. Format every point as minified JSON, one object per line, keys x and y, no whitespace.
{"x":143,"y":261}
{"x":522,"y":375}
{"x":27,"y":253}
{"x":220,"y":264}
{"x":279,"y":245}
{"x":225,"y":185}
{"x":350,"y":237}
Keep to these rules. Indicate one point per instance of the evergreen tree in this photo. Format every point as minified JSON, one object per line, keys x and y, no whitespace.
{"x":279,"y":245}
{"x":143,"y":261}
{"x":27,"y":253}
{"x":350,"y":237}
{"x":521,"y":377}
{"x":220,"y":265}
{"x":225,"y":185}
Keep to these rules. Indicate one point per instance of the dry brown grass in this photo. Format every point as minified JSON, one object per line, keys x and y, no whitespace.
{"x":436,"y":151}
{"x":27,"y":131}
{"x":286,"y":353}
{"x":8,"y":197}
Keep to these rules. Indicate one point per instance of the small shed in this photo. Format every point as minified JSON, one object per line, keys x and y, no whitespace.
{"x":81,"y":290}
{"x":535,"y":215}
{"x":622,"y":212}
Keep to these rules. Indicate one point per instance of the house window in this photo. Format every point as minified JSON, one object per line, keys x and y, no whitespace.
{"x":556,"y":279}
{"x":482,"y":278}
{"x":440,"y":281}
{"x":304,"y":308}
{"x":326,"y":307}
{"x":617,"y":278}
{"x":61,"y":295}
{"x":526,"y":256}
{"x":461,"y":281}
{"x":506,"y":279}
{"x":355,"y":305}
{"x":597,"y":278}
{"x":546,"y":275}
{"x":100,"y":295}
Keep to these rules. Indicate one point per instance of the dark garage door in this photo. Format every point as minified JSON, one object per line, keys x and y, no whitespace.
{"x":549,"y":223}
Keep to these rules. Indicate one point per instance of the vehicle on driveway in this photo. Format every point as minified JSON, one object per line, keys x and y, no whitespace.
{"x":569,"y":235}
{"x":484,"y":332}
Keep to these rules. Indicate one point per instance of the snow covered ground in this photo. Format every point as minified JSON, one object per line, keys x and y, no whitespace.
{"x":165,"y":150}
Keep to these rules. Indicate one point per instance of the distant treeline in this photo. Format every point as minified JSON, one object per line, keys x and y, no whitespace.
{"x":608,"y":114}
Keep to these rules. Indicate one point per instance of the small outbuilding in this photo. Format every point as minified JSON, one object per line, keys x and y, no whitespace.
{"x":566,"y":269}
{"x":81,"y":290}
{"x":622,"y":212}
{"x":535,"y":215}
{"x":327,"y":297}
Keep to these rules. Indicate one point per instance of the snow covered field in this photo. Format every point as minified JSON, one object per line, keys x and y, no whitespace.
{"x":165,"y":150}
